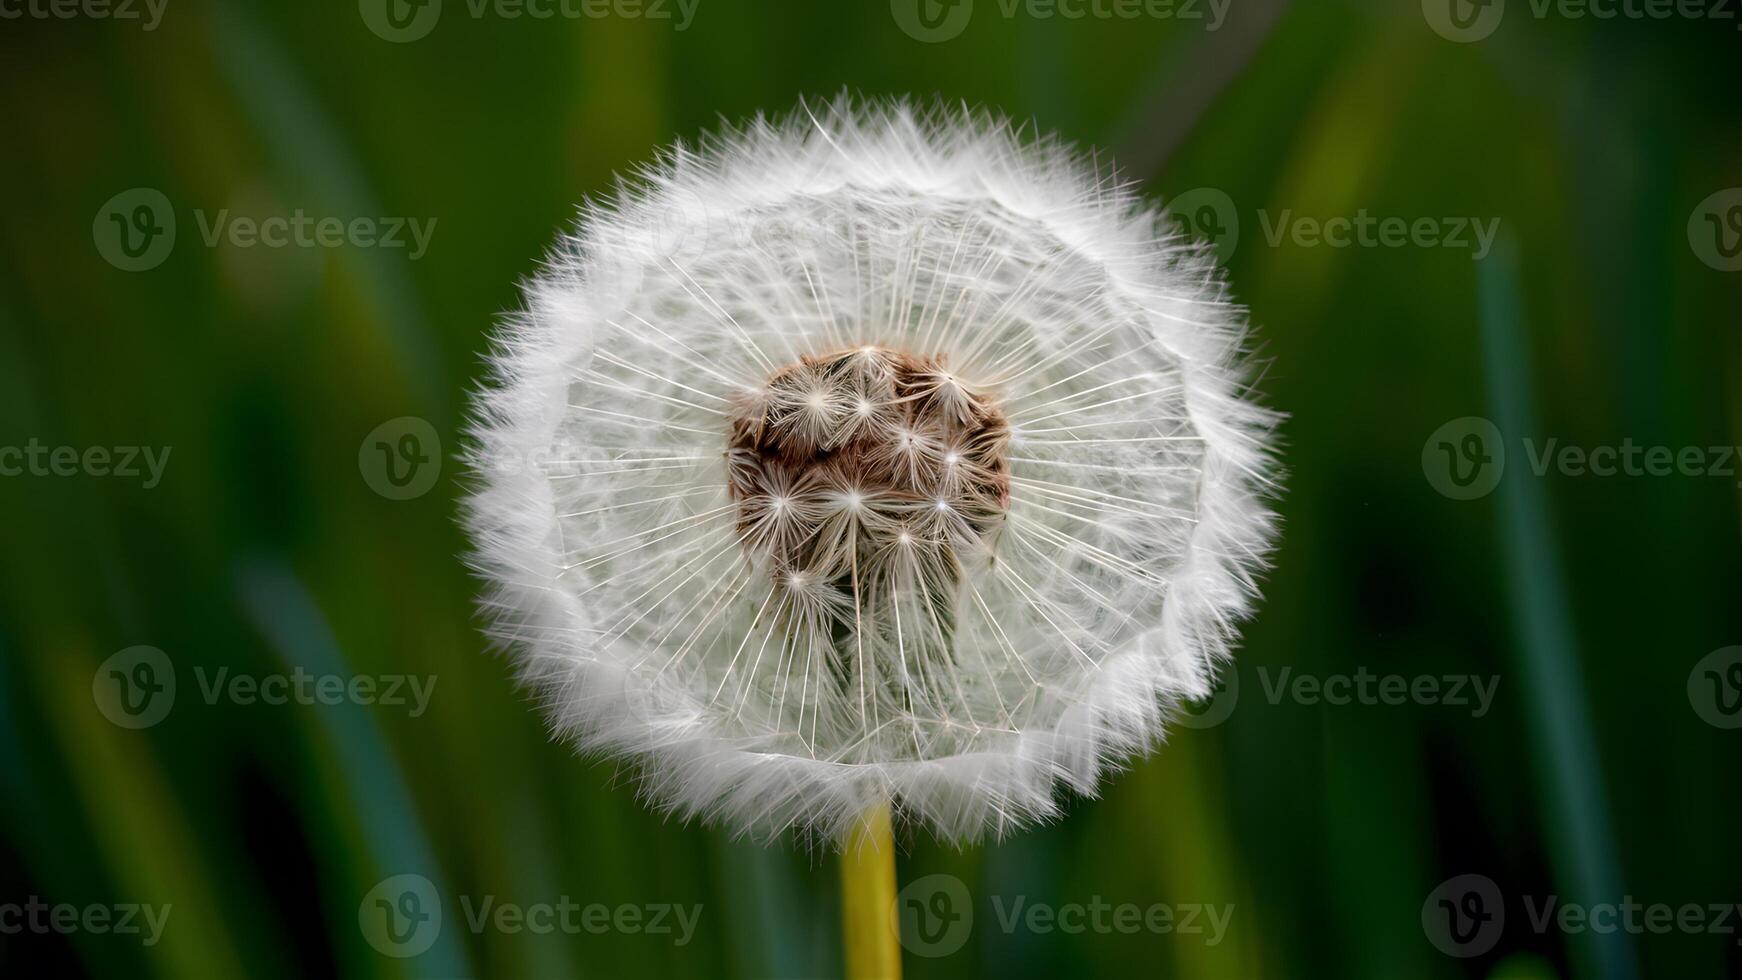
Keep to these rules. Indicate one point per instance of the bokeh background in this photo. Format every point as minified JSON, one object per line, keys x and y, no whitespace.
{"x":1598,"y":609}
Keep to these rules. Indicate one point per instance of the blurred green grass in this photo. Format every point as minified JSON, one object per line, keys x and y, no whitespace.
{"x":1326,"y":828}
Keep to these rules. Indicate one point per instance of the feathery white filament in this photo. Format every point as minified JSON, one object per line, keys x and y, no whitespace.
{"x":870,"y":455}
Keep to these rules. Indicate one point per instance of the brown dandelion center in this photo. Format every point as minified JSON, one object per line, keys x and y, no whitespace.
{"x":867,"y":470}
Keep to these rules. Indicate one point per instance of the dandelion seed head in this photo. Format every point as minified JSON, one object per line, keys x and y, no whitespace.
{"x":796,"y":560}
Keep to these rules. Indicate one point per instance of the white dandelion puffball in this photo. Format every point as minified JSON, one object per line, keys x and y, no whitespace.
{"x":874,"y":455}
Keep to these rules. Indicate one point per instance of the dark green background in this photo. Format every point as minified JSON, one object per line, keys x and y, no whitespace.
{"x":1591,"y":599}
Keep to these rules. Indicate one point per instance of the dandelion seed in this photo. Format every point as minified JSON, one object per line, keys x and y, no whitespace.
{"x":849,"y":581}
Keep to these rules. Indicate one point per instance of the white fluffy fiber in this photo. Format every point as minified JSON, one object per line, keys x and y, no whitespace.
{"x":1139,"y":467}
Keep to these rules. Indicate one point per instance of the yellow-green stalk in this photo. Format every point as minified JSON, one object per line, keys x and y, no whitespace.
{"x":868,"y":923}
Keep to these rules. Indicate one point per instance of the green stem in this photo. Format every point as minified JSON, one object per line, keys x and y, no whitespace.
{"x":868,"y":923}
